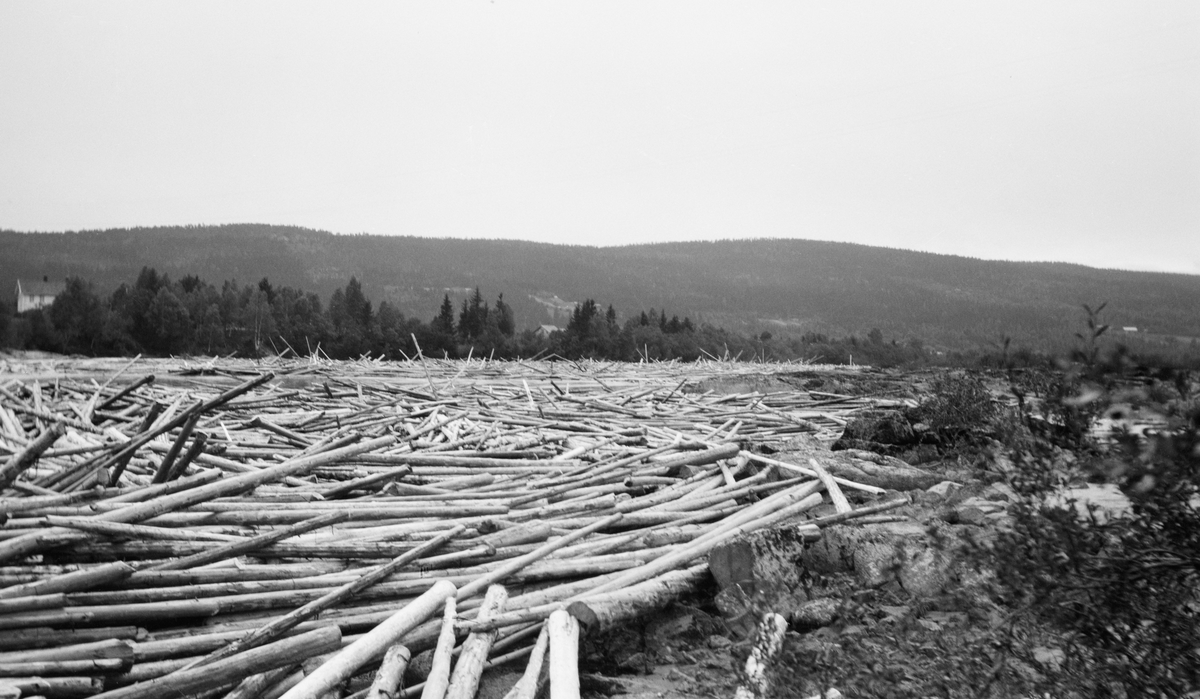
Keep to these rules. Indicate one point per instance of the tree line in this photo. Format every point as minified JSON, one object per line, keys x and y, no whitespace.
{"x":158,"y":315}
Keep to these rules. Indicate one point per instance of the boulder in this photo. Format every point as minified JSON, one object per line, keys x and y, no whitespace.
{"x":815,"y":613}
{"x":761,"y":570}
{"x":878,"y":554}
{"x":944,"y":489}
{"x":881,"y":427}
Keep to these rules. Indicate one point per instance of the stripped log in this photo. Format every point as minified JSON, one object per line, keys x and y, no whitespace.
{"x":593,"y":485}
{"x":391,"y":672}
{"x":238,"y":548}
{"x":51,"y":686}
{"x":256,"y":686}
{"x":22,"y":460}
{"x":840,"y":504}
{"x":604,"y":612}
{"x":311,"y":609}
{"x":230,"y":671}
{"x":527,"y":687}
{"x":110,"y":649}
{"x":564,"y":655}
{"x":438,"y":678}
{"x":29,"y":543}
{"x":370,"y":646}
{"x":64,"y":667}
{"x":72,"y":582}
{"x":465,"y":680}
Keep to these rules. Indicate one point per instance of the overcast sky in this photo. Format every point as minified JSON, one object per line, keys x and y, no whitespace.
{"x":1011,"y":130}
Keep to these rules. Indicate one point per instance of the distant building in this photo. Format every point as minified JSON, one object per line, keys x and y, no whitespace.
{"x":545,"y":330}
{"x":1129,"y":329}
{"x":34,"y":295}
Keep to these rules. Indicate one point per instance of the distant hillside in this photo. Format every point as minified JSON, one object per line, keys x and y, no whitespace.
{"x":777,"y":285}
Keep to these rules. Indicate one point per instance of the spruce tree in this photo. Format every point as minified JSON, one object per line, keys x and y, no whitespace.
{"x":505,"y":320}
{"x":444,"y":322}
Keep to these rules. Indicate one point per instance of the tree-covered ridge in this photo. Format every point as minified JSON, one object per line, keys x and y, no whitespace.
{"x":793,"y":287}
{"x":158,"y":315}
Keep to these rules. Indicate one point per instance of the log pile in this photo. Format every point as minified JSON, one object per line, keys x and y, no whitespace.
{"x":237,"y":528}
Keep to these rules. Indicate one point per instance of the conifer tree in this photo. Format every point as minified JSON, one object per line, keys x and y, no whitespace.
{"x":505,"y":320}
{"x":444,"y":322}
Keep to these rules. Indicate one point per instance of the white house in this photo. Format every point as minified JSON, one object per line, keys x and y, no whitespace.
{"x":34,"y":295}
{"x":545,"y":330}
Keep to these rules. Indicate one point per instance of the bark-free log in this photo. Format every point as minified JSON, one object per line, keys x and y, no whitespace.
{"x":527,"y":686}
{"x":610,"y":610}
{"x":439,"y":669}
{"x":283,"y":653}
{"x":465,"y":681}
{"x":28,"y":456}
{"x":564,"y":655}
{"x":29,"y":543}
{"x":391,"y":672}
{"x":371,"y":645}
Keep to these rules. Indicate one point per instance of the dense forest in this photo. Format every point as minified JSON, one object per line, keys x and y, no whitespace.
{"x":190,"y":316}
{"x":789,"y":288}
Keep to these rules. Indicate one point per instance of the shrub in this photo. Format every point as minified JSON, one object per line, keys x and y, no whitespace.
{"x":961,"y":405}
{"x":1123,"y":590}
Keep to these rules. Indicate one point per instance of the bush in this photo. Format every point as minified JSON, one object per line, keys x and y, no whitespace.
{"x":1122,"y":590}
{"x":961,"y":405}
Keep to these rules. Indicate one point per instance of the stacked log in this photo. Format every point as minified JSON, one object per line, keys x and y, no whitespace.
{"x":233,"y":528}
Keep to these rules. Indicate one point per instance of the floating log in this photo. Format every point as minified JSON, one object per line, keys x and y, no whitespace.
{"x":564,"y":655}
{"x":370,"y":646}
{"x":603,"y":487}
{"x":231,"y":671}
{"x":391,"y":671}
{"x":438,"y":678}
{"x":465,"y":680}
{"x":21,"y":461}
{"x":599,"y":613}
{"x":527,"y":687}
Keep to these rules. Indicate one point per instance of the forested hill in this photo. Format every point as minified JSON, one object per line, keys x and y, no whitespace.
{"x":778,"y":285}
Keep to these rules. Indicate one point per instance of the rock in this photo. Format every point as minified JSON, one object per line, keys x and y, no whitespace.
{"x":719,"y":642}
{"x":881,"y":553}
{"x":944,"y":489}
{"x":1026,"y":671}
{"x":964,"y":515}
{"x":1001,"y":519}
{"x":1107,"y":499}
{"x":1048,"y":658}
{"x":815,"y":613}
{"x":761,"y":570}
{"x":1000,"y":491}
{"x":593,"y":683}
{"x":635,"y":662}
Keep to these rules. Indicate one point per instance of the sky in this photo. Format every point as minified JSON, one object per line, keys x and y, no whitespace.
{"x":1063,"y":131}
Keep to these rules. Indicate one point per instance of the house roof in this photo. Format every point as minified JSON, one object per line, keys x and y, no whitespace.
{"x":39,"y":288}
{"x":549,"y":328}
